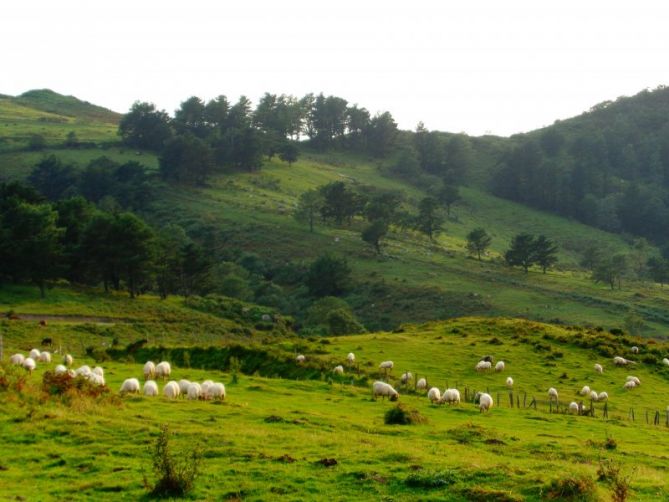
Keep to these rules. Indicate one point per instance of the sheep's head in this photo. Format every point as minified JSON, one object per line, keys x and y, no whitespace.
{"x":394,"y":397}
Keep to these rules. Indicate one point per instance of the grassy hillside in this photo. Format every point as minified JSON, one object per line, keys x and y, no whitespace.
{"x":267,"y":439}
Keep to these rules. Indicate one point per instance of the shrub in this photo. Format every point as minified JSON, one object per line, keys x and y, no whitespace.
{"x":176,"y":472}
{"x":574,"y":488}
{"x":12,"y":377}
{"x":400,"y":415}
{"x":63,"y":384}
{"x":431,"y":479}
{"x":610,"y":472}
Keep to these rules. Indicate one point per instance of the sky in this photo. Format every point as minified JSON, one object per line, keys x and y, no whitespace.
{"x":480,"y":67}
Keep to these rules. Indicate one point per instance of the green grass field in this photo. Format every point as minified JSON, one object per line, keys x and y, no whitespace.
{"x":265,"y":441}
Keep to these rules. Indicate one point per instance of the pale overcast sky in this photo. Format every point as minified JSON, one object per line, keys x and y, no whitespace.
{"x":475,"y":66}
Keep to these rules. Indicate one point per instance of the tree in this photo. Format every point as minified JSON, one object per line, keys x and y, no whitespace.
{"x":328,"y":276}
{"x":448,"y":195}
{"x":339,"y":202}
{"x":308,"y":207}
{"x":383,"y":205}
{"x":145,"y":127}
{"x":186,"y":159}
{"x":36,"y":142}
{"x":381,"y":134}
{"x":53,"y":178}
{"x":610,"y":270}
{"x":97,"y":179}
{"x":429,"y":221}
{"x":478,"y":241}
{"x":133,"y":243}
{"x":373,"y":234}
{"x":71,"y":140}
{"x":658,"y":269}
{"x":190,"y":117}
{"x":74,"y":214}
{"x":289,"y":152}
{"x":545,"y":252}
{"x":521,"y":253}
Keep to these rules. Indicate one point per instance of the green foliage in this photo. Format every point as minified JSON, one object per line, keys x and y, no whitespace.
{"x":186,"y":159}
{"x":572,"y":488}
{"x":431,"y":479}
{"x":53,"y":178}
{"x":333,"y":316}
{"x":309,"y":206}
{"x":429,"y":221}
{"x":401,"y":415}
{"x":478,"y":241}
{"x":340,"y":202}
{"x":145,"y":127}
{"x":176,"y":472}
{"x":328,"y":276}
{"x":373,"y":234}
{"x":36,"y":142}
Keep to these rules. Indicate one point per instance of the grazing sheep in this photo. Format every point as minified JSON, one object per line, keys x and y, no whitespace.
{"x":451,"y":396}
{"x":130,"y":386}
{"x":485,"y":402}
{"x":603,"y":396}
{"x":635,"y":350}
{"x":350,"y":357}
{"x":96,"y":379}
{"x":633,"y":379}
{"x":434,"y":395}
{"x":98,"y":371}
{"x":84,"y":370}
{"x":338,"y":370}
{"x":60,"y":369}
{"x":68,"y":360}
{"x":599,"y":368}
{"x":17,"y":359}
{"x":665,"y":361}
{"x":163,"y":370}
{"x":171,"y":390}
{"x":483,"y":366}
{"x":421,"y":384}
{"x":44,"y":357}
{"x":300,"y":358}
{"x":183,"y":386}
{"x":585,"y":390}
{"x":149,"y":370}
{"x":621,"y":361}
{"x":594,"y":396}
{"x":29,"y":364}
{"x":509,"y":382}
{"x":194,"y":391}
{"x":574,"y":407}
{"x":384,"y":390}
{"x":34,"y":354}
{"x":386,"y":365}
{"x":406,"y":377}
{"x":216,"y":391}
{"x":499,"y":366}
{"x":150,"y":388}
{"x":489,"y":359}
{"x":630,"y":384}
{"x":553,"y":393}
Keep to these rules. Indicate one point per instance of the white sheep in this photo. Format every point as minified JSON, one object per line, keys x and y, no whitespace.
{"x":499,"y":366}
{"x":17,"y":359}
{"x":29,"y":364}
{"x":665,"y":361}
{"x":603,"y":396}
{"x":630,"y":384}
{"x":98,"y":371}
{"x":301,"y":358}
{"x":149,"y":370}
{"x":183,"y":386}
{"x":163,"y":370}
{"x":386,"y":365}
{"x":451,"y":396}
{"x":384,"y":390}
{"x":60,"y":369}
{"x":621,"y":361}
{"x":350,"y":357}
{"x":434,"y":395}
{"x":633,"y":379}
{"x":483,"y":366}
{"x":129,"y":386}
{"x":594,"y":396}
{"x":171,"y":390}
{"x":485,"y":402}
{"x":574,"y":407}
{"x":585,"y":390}
{"x":509,"y":382}
{"x":216,"y":391}
{"x":84,"y":370}
{"x":150,"y":388}
{"x":406,"y":377}
{"x":204,"y":387}
{"x":421,"y":384}
{"x":599,"y":368}
{"x":553,"y":394}
{"x":194,"y":391}
{"x":635,"y":350}
{"x":338,"y":370}
{"x":44,"y":357}
{"x":68,"y":360}
{"x":96,"y":379}
{"x":34,"y":354}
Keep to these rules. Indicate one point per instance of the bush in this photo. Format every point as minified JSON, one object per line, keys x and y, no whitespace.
{"x":610,"y":472}
{"x":12,"y":377}
{"x":431,"y":479}
{"x":64,"y":384}
{"x":400,"y":415}
{"x":176,"y":472}
{"x":576,"y":488}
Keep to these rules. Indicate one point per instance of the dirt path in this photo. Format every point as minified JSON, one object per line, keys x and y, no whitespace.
{"x":67,"y":318}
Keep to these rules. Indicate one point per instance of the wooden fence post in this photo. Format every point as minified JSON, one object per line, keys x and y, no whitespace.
{"x":511,"y":397}
{"x":656,"y":420}
{"x":524,"y":398}
{"x":606,"y":410}
{"x":500,"y":402}
{"x":646,"y":417}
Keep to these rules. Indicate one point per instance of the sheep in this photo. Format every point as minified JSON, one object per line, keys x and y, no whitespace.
{"x":216,"y":391}
{"x":630,"y":384}
{"x":634,"y":350}
{"x":34,"y":354}
{"x":489,"y":359}
{"x":386,"y":365}
{"x":163,"y":370}
{"x":483,"y":366}
{"x":509,"y":382}
{"x":553,"y":393}
{"x":183,"y":386}
{"x":338,"y":370}
{"x":594,"y":396}
{"x":421,"y":384}
{"x":171,"y":390}
{"x":300,"y":358}
{"x":130,"y":386}
{"x":599,"y":369}
{"x":60,"y":370}
{"x":451,"y":396}
{"x":665,"y":361}
{"x":149,"y":370}
{"x":68,"y":360}
{"x":44,"y":357}
{"x":17,"y":359}
{"x":574,"y":407}
{"x":585,"y":390}
{"x":621,"y":361}
{"x":406,"y":377}
{"x":499,"y":366}
{"x":204,"y":387}
{"x":98,"y":371}
{"x":150,"y":388}
{"x":633,"y":379}
{"x":434,"y":395}
{"x":96,"y":379}
{"x":603,"y":396}
{"x":194,"y":391}
{"x":350,"y":357}
{"x":84,"y":370}
{"x":485,"y":402}
{"x":384,"y":390}
{"x":29,"y":364}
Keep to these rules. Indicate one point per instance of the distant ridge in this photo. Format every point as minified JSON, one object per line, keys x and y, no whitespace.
{"x":49,"y":101}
